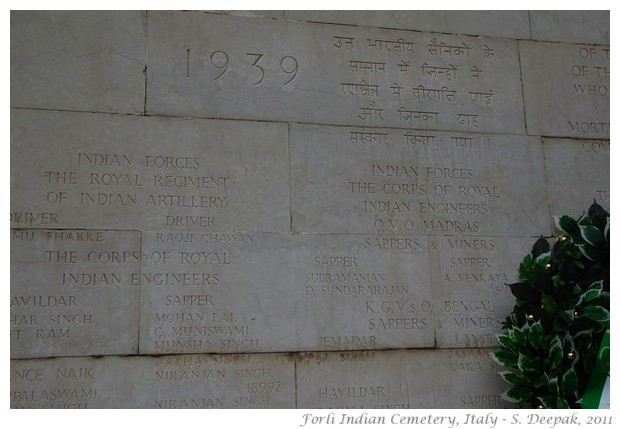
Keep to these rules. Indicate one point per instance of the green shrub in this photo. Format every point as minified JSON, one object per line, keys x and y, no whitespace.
{"x":554,"y":332}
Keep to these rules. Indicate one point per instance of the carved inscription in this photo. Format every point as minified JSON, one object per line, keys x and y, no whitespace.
{"x":412,"y":182}
{"x":191,"y":381}
{"x":470,"y":289}
{"x":465,"y":378}
{"x":591,"y":79}
{"x":598,"y":152}
{"x":569,"y":75}
{"x":592,"y":71}
{"x":263,"y":292}
{"x":220,"y":61}
{"x":189,"y":291}
{"x":394,"y":188}
{"x":69,"y":285}
{"x":320,"y":385}
{"x":579,"y":168}
{"x":170,"y":184}
{"x":140,"y":171}
{"x":70,"y":384}
{"x":220,"y":381}
{"x":364,"y":293}
{"x":331,"y":74}
{"x":468,"y":364}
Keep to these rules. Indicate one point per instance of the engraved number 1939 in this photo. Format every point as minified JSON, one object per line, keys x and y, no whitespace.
{"x":221,"y":62}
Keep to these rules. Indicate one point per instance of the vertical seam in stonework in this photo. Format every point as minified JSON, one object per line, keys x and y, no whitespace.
{"x":431,"y":275}
{"x":140,"y":292}
{"x":522,"y":86}
{"x":146,"y":45}
{"x":529,"y":23}
{"x":544,"y":160}
{"x":295,"y":374}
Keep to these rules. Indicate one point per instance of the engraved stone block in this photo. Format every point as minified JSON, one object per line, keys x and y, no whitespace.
{"x":308,"y":72}
{"x":470,"y":292}
{"x":217,"y":293}
{"x":86,"y":60}
{"x":401,"y":379}
{"x":577,"y":174}
{"x":574,"y":26}
{"x":222,"y":293}
{"x":509,"y":24}
{"x":215,"y":381}
{"x":73,"y":382}
{"x":170,"y":382}
{"x":415,"y":181}
{"x":71,"y":292}
{"x":80,"y":170}
{"x":363,"y":292}
{"x":566,"y":89}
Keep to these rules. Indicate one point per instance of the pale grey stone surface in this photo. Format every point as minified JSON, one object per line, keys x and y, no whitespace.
{"x":291,"y":71}
{"x":362,"y":292}
{"x":72,"y":383}
{"x":71,"y":292}
{"x":578,"y":172}
{"x":247,"y":293}
{"x":509,"y":24}
{"x":218,"y":293}
{"x":470,"y":292}
{"x":86,"y":60}
{"x":566,"y":89}
{"x":337,"y":184}
{"x":215,"y":381}
{"x":131,"y":172}
{"x":170,"y":382}
{"x":575,"y":26}
{"x":399,"y":379}
{"x":413,"y":181}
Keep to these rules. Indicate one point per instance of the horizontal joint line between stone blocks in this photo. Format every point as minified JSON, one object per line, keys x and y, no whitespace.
{"x":294,"y":354}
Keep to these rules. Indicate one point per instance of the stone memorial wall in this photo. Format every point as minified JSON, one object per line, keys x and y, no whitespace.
{"x":274,"y":209}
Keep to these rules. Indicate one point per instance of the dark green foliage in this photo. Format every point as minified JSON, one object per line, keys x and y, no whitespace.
{"x":561,"y":313}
